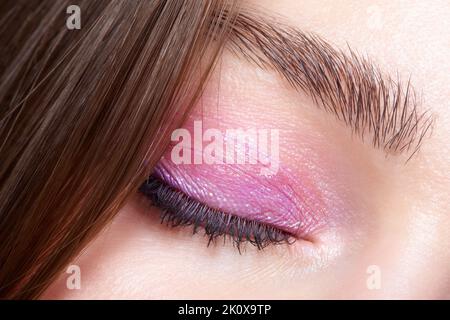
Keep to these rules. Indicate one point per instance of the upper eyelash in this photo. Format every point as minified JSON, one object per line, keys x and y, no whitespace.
{"x":178,"y":209}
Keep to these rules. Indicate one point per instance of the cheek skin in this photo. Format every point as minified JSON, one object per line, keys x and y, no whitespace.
{"x":138,"y":258}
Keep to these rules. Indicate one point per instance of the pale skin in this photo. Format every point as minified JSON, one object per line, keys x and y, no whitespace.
{"x":399,"y":214}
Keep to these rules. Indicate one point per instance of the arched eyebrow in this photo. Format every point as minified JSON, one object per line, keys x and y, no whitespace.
{"x":343,"y":83}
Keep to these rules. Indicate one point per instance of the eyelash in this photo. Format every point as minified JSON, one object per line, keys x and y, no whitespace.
{"x":178,"y":209}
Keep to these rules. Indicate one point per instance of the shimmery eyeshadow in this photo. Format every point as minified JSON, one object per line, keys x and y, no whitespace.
{"x":282,"y":200}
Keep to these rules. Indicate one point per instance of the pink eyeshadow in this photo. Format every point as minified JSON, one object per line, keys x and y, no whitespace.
{"x":283,"y":200}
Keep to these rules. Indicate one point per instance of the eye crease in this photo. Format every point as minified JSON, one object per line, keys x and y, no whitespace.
{"x":178,"y":209}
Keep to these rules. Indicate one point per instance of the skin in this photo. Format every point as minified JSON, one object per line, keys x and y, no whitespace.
{"x":392,"y":215}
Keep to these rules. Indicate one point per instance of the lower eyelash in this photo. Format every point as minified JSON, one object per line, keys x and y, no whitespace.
{"x":178,"y":209}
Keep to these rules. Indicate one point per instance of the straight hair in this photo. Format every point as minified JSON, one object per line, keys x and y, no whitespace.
{"x":86,"y":114}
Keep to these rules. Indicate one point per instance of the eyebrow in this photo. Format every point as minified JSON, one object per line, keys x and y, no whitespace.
{"x":343,"y":83}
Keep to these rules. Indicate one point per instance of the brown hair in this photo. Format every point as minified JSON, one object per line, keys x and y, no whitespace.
{"x":84,"y":116}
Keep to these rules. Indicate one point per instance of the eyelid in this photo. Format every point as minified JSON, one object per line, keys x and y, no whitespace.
{"x":179,"y":209}
{"x":237,"y":190}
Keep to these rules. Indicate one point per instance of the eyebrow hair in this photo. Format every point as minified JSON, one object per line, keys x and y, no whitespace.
{"x":349,"y":86}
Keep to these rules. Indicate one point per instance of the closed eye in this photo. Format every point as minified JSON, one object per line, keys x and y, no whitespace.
{"x":178,"y":209}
